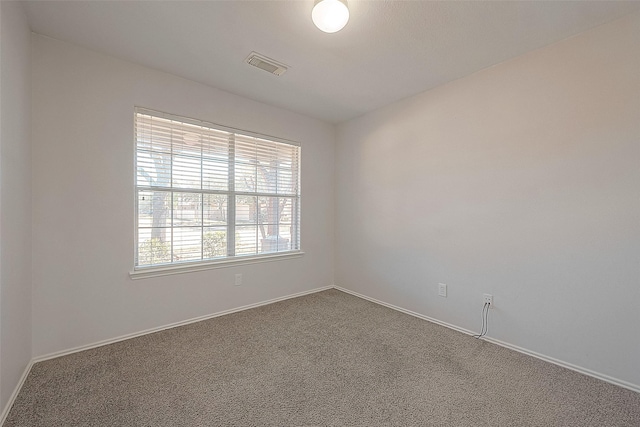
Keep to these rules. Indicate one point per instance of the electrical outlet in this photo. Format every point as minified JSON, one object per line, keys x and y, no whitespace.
{"x":238,"y":281}
{"x":487,"y":299}
{"x":442,"y":290}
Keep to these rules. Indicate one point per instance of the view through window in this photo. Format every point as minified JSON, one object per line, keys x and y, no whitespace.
{"x":205,"y":192}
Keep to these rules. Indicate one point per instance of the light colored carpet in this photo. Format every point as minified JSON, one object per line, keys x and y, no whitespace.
{"x":326,"y":359}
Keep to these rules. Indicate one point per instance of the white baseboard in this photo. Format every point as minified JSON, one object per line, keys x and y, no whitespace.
{"x":173,"y":325}
{"x":585,"y":371}
{"x":12,"y":398}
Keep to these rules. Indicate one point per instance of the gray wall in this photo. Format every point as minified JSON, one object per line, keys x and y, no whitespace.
{"x":83,"y":200}
{"x":15,"y":197}
{"x":520,"y":181}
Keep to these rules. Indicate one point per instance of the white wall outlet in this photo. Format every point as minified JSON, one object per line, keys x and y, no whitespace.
{"x":442,"y":289}
{"x":238,"y":281}
{"x":487,"y":299}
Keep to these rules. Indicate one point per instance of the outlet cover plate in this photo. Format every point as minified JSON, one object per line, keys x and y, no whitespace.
{"x":488,"y":299}
{"x":442,"y":289}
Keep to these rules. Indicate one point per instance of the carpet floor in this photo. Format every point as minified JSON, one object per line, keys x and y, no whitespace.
{"x":325,"y":359}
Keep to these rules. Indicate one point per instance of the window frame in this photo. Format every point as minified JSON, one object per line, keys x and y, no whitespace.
{"x":176,"y":267}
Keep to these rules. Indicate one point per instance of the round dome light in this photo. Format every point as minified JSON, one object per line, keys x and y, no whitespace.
{"x":330,"y":15}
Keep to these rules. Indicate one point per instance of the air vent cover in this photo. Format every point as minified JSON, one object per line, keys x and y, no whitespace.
{"x":266,"y":64}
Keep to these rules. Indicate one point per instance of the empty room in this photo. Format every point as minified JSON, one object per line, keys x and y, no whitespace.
{"x":319,"y":213}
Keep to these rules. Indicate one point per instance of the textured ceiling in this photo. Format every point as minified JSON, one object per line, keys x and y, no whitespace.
{"x":389,"y":49}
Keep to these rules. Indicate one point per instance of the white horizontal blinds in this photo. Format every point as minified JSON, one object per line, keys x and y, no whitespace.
{"x":266,"y":167}
{"x":191,"y":176}
{"x":153,"y":152}
{"x":269,"y":170}
{"x":215,"y":160}
{"x":181,"y":155}
{"x":182,"y":180}
{"x":153,"y":180}
{"x":296,"y":209}
{"x":246,"y":171}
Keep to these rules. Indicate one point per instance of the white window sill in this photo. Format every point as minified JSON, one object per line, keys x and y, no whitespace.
{"x":144,"y":273}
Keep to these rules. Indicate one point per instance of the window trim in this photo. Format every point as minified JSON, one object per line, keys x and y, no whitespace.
{"x":193,"y":266}
{"x":141,"y":272}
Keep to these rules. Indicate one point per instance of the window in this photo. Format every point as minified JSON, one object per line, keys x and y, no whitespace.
{"x":206,"y":193}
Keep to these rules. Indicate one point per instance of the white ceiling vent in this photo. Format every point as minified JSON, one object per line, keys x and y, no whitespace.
{"x":267,"y":64}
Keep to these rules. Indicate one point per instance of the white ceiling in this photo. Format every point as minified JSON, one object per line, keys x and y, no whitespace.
{"x":389,"y":49}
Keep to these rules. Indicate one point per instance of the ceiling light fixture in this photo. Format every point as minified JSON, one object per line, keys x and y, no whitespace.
{"x":330,"y":15}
